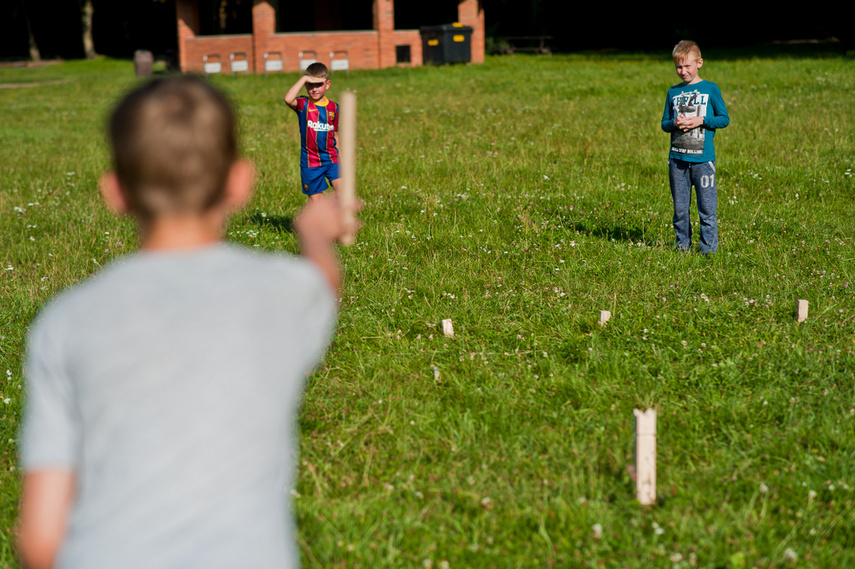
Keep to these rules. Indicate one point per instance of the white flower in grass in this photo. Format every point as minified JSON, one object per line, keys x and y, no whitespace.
{"x":763,"y":488}
{"x":7,"y":401}
{"x":598,"y":531}
{"x":791,"y":555}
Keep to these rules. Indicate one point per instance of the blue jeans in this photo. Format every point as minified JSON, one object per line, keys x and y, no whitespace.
{"x":683,"y":175}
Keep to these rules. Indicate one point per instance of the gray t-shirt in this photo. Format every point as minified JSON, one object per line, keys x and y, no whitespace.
{"x":170,"y":383}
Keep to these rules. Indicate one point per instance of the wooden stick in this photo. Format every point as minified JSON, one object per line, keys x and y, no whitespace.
{"x":347,"y":167}
{"x":645,"y":456}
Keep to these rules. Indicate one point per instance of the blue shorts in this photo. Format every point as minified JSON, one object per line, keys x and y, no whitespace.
{"x":313,"y":178}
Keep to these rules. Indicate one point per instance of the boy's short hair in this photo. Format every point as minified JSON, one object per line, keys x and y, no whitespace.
{"x":684,"y":49}
{"x":174,"y":141}
{"x":319,"y":70}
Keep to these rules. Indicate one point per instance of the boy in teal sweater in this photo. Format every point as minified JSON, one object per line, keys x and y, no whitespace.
{"x":694,"y":110}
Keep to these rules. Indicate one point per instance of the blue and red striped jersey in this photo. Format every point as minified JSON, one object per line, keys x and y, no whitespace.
{"x":318,"y":125}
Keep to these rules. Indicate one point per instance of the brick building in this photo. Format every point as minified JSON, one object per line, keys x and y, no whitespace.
{"x":382,"y":46}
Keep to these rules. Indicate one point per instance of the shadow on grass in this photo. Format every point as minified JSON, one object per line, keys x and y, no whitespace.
{"x":281,"y":223}
{"x":630,"y":235}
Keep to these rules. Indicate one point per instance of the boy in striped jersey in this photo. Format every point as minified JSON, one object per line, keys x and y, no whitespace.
{"x":318,"y":131}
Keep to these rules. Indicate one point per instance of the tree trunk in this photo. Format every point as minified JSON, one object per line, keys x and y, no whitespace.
{"x":88,"y":45}
{"x":35,"y":54}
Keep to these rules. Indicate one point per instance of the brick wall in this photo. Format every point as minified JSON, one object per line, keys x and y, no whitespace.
{"x":471,"y":13}
{"x":368,"y":49}
{"x":413,"y":39}
{"x":361,"y":47}
{"x":196,"y":48}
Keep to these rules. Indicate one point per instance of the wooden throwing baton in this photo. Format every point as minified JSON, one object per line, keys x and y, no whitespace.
{"x":347,"y":131}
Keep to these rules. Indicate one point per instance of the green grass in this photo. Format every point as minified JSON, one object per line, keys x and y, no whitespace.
{"x":519,"y":198}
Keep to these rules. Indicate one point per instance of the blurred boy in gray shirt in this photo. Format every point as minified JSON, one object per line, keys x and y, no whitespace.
{"x":163,"y":393}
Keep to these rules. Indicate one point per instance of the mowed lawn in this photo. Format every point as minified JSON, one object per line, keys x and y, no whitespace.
{"x":519,"y":198}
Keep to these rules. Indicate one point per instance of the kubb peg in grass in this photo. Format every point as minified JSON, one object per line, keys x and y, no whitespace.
{"x":605,"y":316}
{"x":447,"y":328}
{"x":347,"y":134}
{"x":645,"y":456}
{"x":802,"y":311}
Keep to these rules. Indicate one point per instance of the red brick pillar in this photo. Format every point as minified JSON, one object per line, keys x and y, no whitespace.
{"x":384,"y":23}
{"x":187,"y":12}
{"x":471,"y":13}
{"x":263,"y":27}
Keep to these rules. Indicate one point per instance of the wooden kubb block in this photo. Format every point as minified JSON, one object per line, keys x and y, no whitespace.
{"x":802,"y":310}
{"x":645,"y":456}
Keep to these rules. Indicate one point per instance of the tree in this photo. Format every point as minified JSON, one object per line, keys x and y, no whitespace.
{"x":86,"y":13}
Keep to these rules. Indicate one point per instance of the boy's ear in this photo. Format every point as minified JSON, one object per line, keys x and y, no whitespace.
{"x":239,"y":185}
{"x":111,"y":190}
{"x":700,"y":63}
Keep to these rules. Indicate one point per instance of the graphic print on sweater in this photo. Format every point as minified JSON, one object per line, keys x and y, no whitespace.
{"x":689,"y":104}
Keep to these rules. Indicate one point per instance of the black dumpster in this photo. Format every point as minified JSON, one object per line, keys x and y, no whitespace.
{"x":448,"y":43}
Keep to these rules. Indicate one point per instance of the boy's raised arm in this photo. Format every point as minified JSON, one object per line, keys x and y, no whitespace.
{"x":318,"y":226}
{"x":294,"y":91}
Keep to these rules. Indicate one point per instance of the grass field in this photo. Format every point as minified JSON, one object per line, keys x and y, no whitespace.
{"x":520,"y":198}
